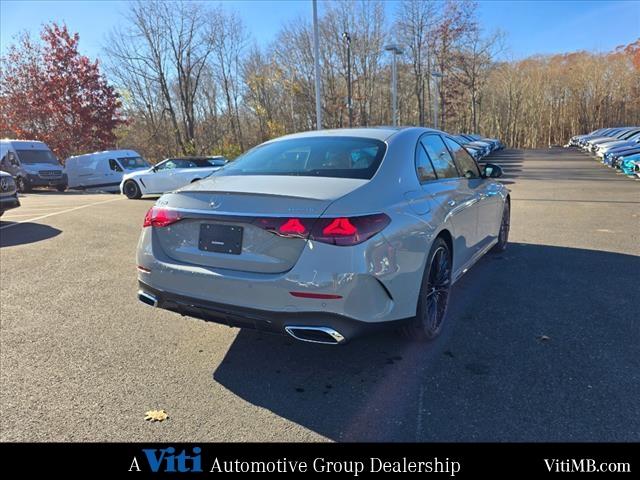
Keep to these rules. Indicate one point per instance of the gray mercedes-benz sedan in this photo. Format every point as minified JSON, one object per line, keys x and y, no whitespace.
{"x":326,"y":235}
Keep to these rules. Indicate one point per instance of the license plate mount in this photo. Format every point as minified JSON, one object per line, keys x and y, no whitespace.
{"x":220,"y":238}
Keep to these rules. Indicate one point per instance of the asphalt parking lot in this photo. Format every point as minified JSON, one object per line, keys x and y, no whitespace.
{"x":542,"y":344}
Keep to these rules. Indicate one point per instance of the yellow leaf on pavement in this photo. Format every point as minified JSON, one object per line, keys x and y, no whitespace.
{"x":156,"y":415}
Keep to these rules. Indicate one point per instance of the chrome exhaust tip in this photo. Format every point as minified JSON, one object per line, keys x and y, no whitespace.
{"x":324,"y":335}
{"x":144,"y":297}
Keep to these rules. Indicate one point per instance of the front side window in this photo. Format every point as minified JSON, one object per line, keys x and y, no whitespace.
{"x":466,"y":164}
{"x":341,"y":157}
{"x":170,"y":164}
{"x":440,"y":157}
{"x":113,"y":165}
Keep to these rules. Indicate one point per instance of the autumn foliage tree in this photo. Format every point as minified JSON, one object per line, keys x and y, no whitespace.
{"x":50,"y":92}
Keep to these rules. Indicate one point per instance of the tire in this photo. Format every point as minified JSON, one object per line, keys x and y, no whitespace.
{"x":433,"y":298}
{"x":23,"y":185}
{"x":131,"y":190}
{"x":503,"y":234}
{"x":61,"y":188}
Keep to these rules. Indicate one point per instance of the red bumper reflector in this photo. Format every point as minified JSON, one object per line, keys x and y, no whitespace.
{"x":318,"y":296}
{"x":143,"y":269}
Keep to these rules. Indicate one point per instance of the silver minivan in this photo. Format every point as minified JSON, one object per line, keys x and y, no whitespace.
{"x":32,"y":164}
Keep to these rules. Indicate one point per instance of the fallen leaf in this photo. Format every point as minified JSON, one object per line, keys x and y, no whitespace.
{"x":156,"y":415}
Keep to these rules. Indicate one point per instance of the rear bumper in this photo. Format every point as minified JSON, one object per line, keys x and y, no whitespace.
{"x":8,"y":202}
{"x":262,"y":320}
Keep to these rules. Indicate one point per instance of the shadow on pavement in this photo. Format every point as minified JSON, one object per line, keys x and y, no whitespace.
{"x":25,"y":233}
{"x":532,"y":351}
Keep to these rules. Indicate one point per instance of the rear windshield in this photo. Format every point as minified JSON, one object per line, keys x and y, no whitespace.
{"x":130,"y":163}
{"x":341,"y":157}
{"x":37,"y":156}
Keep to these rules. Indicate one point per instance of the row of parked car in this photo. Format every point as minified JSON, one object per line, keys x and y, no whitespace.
{"x":478,"y":146}
{"x":615,"y":147}
{"x":32,"y":164}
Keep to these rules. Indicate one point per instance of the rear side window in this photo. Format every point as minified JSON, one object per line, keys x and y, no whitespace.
{"x":340,"y":157}
{"x":466,"y":164}
{"x":440,"y":157}
{"x":424,"y":169}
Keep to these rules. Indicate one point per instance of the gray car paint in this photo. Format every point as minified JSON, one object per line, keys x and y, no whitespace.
{"x":378,"y":280}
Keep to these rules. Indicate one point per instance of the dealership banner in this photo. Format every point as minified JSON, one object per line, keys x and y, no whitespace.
{"x":464,"y":460}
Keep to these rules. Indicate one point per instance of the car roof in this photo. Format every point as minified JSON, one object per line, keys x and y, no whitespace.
{"x":34,"y":144}
{"x":381,"y":133}
{"x":211,"y":157}
{"x":130,"y":153}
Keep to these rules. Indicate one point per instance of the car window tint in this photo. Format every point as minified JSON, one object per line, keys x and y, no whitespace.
{"x":439,"y":155}
{"x":466,"y":164}
{"x":341,"y":157}
{"x":424,"y":169}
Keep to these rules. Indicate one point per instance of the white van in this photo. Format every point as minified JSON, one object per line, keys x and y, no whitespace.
{"x":32,"y":164}
{"x":103,"y":170}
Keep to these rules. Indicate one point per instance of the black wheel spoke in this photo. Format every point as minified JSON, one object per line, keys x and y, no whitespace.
{"x":437,"y":291}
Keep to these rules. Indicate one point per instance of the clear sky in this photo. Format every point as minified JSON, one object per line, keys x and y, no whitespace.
{"x":530,"y":26}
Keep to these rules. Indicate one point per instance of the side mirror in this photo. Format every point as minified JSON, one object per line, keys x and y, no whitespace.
{"x":492,"y":171}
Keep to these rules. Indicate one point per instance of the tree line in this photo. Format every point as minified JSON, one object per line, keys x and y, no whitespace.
{"x":192,"y":80}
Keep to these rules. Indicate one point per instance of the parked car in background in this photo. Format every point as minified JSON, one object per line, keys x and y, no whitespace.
{"x":169,"y":174}
{"x":103,"y":170}
{"x":629,"y":140}
{"x":576,"y":139}
{"x":629,"y":164}
{"x":591,"y":144}
{"x":612,"y":156}
{"x":32,"y":164}
{"x":8,"y":193}
{"x":326,"y":235}
{"x":493,"y":142}
{"x":484,"y":148}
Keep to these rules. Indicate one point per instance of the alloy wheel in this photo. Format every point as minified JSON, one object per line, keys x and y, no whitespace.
{"x":437,"y":291}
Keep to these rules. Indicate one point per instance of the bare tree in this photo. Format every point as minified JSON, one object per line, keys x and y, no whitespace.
{"x":415,"y":24}
{"x":228,"y":39}
{"x":160,"y":59}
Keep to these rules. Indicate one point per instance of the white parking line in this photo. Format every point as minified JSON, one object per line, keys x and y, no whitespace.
{"x":58,"y":213}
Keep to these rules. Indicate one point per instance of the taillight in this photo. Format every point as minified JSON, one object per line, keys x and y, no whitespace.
{"x":340,"y":226}
{"x":160,"y":217}
{"x":286,"y":227}
{"x":345,"y":231}
{"x":292,"y":226}
{"x":342,"y":231}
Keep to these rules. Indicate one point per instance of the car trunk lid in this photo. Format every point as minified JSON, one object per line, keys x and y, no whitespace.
{"x":234,"y":222}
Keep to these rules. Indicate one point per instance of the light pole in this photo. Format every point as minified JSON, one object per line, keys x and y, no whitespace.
{"x":347,"y":39}
{"x":316,"y":54}
{"x":436,"y":98}
{"x":395,"y":50}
